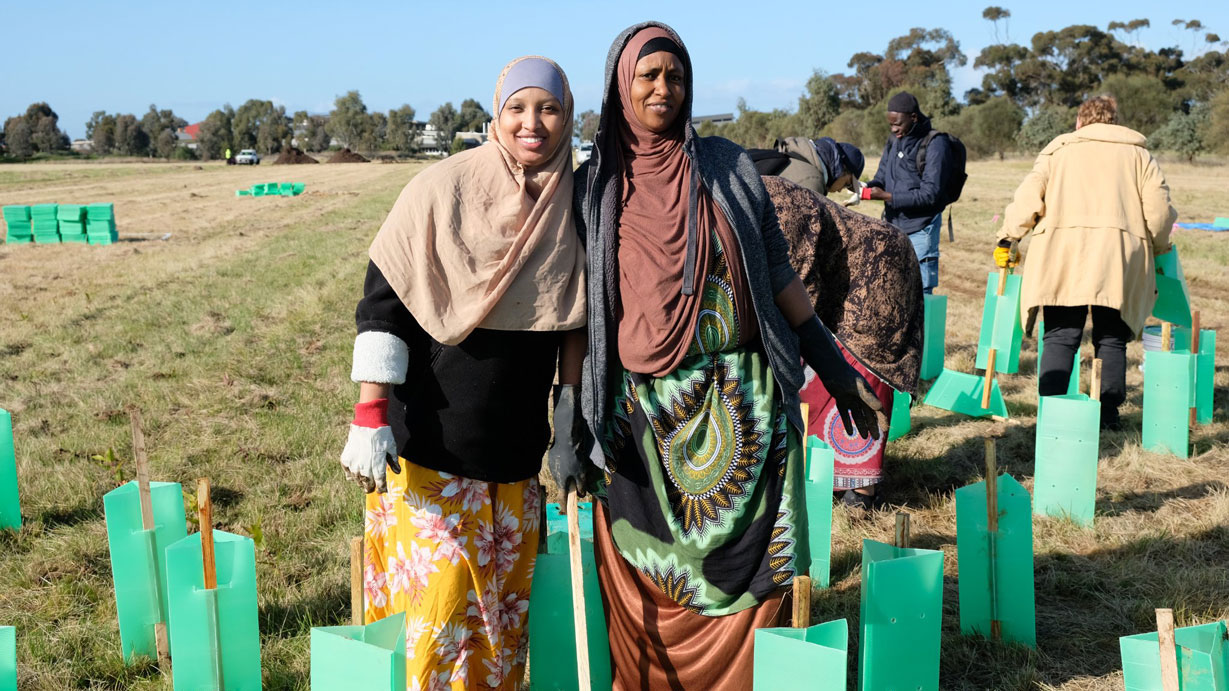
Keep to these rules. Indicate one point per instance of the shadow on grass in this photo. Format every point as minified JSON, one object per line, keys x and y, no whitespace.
{"x":287,"y":618}
{"x":1150,"y":502}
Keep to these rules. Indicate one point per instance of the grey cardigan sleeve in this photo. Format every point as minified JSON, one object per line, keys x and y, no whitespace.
{"x":780,"y":272}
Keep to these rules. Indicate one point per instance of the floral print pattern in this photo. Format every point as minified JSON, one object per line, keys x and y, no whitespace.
{"x":457,"y":555}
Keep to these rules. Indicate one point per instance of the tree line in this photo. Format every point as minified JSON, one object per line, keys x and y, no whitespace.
{"x":1028,"y":94}
{"x":256,"y":124}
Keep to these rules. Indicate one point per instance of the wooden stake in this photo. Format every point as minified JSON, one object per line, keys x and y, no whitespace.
{"x":204,"y":510}
{"x":992,"y":529}
{"x":356,"y":580}
{"x":1169,"y":650}
{"x":1195,"y":352}
{"x":578,"y":592}
{"x":901,"y":538}
{"x":1094,"y":386}
{"x":802,"y":601}
{"x":161,"y":643}
{"x":1167,"y":336}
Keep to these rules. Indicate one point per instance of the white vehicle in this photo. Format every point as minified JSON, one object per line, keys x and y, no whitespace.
{"x":248,"y":157}
{"x":583,"y":152}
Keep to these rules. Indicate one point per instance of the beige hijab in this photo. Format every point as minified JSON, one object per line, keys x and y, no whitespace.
{"x":477,"y":240}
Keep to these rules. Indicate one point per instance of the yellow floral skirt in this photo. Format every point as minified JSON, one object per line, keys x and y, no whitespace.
{"x":457,"y":556}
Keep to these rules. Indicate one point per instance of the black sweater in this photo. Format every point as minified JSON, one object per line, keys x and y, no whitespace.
{"x":477,"y":409}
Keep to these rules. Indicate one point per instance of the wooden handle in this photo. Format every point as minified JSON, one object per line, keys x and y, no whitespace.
{"x":204,"y":511}
{"x":992,"y":487}
{"x":802,"y":602}
{"x":356,"y":580}
{"x":1167,"y":336}
{"x":806,"y":419}
{"x":989,"y":387}
{"x":1169,"y":650}
{"x":142,"y":461}
{"x":1002,"y":281}
{"x":1094,"y":386}
{"x":901,"y":538}
{"x":578,"y":592}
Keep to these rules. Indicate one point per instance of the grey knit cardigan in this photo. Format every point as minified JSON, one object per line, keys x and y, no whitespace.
{"x":727,"y":173}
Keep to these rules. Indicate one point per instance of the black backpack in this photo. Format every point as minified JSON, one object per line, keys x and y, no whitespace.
{"x":772,"y":161}
{"x":954,"y":184}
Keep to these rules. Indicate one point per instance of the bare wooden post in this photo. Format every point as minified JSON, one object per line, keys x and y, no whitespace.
{"x":1169,"y":650}
{"x":356,"y":580}
{"x":1195,"y":352}
{"x":161,"y":643}
{"x":1094,"y":386}
{"x":901,"y":538}
{"x":204,"y":511}
{"x":1167,"y":336}
{"x":990,"y":357}
{"x":802,"y":601}
{"x":578,"y":591}
{"x":992,"y":530}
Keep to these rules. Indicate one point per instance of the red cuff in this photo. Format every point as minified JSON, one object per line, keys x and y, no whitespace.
{"x":372,"y":414}
{"x":866,"y":193}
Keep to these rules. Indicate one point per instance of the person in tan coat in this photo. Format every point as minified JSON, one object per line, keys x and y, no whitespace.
{"x":1099,"y":212}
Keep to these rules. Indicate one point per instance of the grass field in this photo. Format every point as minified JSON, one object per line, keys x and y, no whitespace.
{"x":234,"y":335}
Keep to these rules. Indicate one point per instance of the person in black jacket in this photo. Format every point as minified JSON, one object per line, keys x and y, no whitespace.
{"x":913,"y":200}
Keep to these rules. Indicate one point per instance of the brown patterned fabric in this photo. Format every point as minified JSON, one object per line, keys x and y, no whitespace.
{"x":863,"y":277}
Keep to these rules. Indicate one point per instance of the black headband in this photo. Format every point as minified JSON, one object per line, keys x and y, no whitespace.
{"x":659,"y":44}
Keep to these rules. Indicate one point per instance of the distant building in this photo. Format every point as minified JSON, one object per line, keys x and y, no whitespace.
{"x":186,"y":136}
{"x":429,"y":139}
{"x":82,"y":146}
{"x":719,"y":119}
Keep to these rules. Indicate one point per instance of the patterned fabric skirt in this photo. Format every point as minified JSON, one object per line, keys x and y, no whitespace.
{"x":703,"y":482}
{"x":457,"y":556}
{"x":859,"y":461}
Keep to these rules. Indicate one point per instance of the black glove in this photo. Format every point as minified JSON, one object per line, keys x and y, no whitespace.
{"x":568,"y":457}
{"x":854,"y":399}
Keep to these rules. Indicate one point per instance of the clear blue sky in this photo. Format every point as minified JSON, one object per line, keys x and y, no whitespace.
{"x":193,"y":57}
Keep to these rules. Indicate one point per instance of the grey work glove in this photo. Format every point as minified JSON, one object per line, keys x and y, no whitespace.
{"x":855,"y":401}
{"x":568,"y":457}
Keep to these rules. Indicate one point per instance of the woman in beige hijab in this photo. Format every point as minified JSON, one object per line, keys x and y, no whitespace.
{"x":474,"y":297}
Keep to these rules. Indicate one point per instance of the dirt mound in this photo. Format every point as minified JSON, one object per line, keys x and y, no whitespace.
{"x":347,"y":156}
{"x":293,"y":155}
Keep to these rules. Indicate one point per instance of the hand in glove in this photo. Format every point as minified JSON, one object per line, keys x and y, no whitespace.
{"x":855,"y":195}
{"x":567,"y":459}
{"x":370,"y":449}
{"x":855,"y":401}
{"x":1005,"y":256}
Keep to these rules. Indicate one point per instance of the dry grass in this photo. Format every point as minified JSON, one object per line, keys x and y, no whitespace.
{"x":234,"y":337}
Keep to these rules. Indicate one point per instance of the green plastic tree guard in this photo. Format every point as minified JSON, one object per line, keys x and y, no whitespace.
{"x":1169,"y":394}
{"x":299,"y":187}
{"x":206,"y":625}
{"x":900,"y":425}
{"x":996,"y":570}
{"x":820,"y":476}
{"x":785,"y":656}
{"x":359,"y":657}
{"x":934,"y":335}
{"x":286,"y":189}
{"x":1203,"y":659}
{"x":1067,"y":449}
{"x":8,"y":658}
{"x":552,"y":637}
{"x":1205,"y":373}
{"x":258,"y":190}
{"x":1173,"y":299}
{"x":961,"y":393}
{"x":1000,"y":326}
{"x":10,"y":503}
{"x":138,"y":560}
{"x":901,"y":614}
{"x":1073,"y":386}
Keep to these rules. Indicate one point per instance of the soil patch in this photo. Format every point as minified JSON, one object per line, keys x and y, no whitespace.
{"x":293,"y":156}
{"x":347,"y":156}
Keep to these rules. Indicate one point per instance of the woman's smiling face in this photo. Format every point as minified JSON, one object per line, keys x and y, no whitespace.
{"x":530,"y":125}
{"x":657,"y":90}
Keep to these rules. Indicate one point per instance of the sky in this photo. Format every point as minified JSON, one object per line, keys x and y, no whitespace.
{"x":123,"y":56}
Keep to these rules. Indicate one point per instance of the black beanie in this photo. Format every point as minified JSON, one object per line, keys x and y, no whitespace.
{"x":904,"y":102}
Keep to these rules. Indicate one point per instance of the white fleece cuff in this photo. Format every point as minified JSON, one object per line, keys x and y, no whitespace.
{"x":379,"y":358}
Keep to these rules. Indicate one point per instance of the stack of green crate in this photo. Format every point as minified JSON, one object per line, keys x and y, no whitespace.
{"x":100,"y":224}
{"x":17,"y":222}
{"x":72,"y":222}
{"x":44,"y":224}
